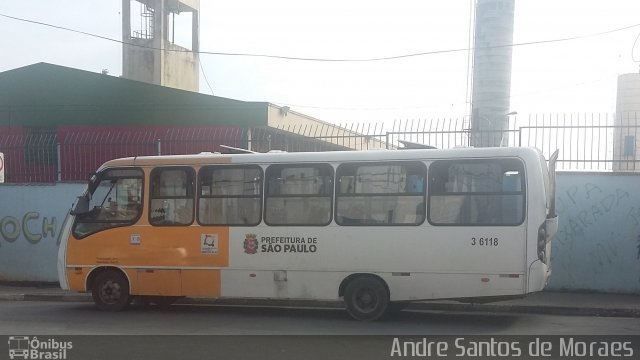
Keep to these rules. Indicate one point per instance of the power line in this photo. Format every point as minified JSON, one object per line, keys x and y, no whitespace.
{"x":205,"y":77}
{"x":283,"y":57}
{"x":633,"y":49}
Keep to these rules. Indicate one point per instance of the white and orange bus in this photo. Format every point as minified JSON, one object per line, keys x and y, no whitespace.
{"x":376,"y":228}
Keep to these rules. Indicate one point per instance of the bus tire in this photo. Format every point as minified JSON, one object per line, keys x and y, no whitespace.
{"x":366,"y":298}
{"x":110,"y":291}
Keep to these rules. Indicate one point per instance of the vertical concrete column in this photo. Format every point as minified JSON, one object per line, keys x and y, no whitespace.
{"x":126,"y":20}
{"x":195,"y":32}
{"x":126,"y":33}
{"x":159,"y":32}
{"x":492,"y":56}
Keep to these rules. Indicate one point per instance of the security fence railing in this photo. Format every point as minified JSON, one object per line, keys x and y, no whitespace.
{"x":587,"y":142}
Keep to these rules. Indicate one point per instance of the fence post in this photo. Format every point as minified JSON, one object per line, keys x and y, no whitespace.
{"x":249,"y":135}
{"x":386,"y":140}
{"x":158,"y":147}
{"x":520,"y":136}
{"x":59,"y":163}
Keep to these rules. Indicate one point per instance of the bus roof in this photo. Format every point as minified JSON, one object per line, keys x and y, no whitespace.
{"x":328,"y":156}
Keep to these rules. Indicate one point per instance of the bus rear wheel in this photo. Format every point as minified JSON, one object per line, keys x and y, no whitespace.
{"x":110,"y":291}
{"x":366,"y":298}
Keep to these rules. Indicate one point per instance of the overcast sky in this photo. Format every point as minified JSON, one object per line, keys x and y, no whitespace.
{"x":572,"y":76}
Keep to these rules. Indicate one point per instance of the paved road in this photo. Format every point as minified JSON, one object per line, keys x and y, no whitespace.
{"x":68,"y":318}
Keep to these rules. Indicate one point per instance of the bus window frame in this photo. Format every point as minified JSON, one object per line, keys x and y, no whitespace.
{"x":233,"y":166}
{"x":193,"y":198}
{"x":331,"y":187}
{"x":523,"y":190}
{"x":425,"y":187}
{"x":99,"y":176}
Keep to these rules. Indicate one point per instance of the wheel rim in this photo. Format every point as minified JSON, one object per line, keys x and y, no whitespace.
{"x":110,"y":292}
{"x":366,"y":300}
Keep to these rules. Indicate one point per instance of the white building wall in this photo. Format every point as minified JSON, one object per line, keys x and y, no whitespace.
{"x":625,"y":139}
{"x":142,"y":59}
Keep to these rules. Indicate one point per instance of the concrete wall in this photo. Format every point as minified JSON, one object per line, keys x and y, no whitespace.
{"x":31,"y":217}
{"x":598,"y":243}
{"x":597,"y":247}
{"x":178,"y":69}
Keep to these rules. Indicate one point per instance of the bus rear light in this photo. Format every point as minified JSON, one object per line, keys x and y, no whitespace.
{"x":252,"y":275}
{"x":485,"y":280}
{"x":542,"y":243}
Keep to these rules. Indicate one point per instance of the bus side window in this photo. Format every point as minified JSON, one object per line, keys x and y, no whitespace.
{"x":171,"y":200}
{"x":230,"y":195}
{"x":385,"y":193}
{"x":481,"y":192}
{"x":299,"y":194}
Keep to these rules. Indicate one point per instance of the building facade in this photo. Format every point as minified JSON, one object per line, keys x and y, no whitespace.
{"x":150,"y":52}
{"x":625,"y":151}
{"x":60,"y":124}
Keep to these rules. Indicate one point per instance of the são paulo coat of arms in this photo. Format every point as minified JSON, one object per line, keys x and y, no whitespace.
{"x":251,"y":244}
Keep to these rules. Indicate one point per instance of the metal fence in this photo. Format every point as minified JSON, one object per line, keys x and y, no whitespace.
{"x":587,"y":142}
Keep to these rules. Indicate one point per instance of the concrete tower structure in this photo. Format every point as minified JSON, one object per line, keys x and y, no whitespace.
{"x":625,"y":141}
{"x":149,"y":53}
{"x":490,"y":101}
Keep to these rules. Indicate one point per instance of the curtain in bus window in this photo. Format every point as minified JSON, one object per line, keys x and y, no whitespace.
{"x":299,"y":194}
{"x":230,"y":196}
{"x":385,"y":194}
{"x":478,"y":193}
{"x":171,"y":196}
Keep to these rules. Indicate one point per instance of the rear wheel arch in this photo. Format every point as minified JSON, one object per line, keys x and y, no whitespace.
{"x":348,"y":279}
{"x":98,"y":270}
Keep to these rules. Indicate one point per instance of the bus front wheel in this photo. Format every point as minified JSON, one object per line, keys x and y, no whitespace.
{"x":110,"y":291}
{"x":366,"y":298}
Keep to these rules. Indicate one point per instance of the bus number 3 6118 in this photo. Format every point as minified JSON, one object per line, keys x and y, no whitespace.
{"x":489,"y":241}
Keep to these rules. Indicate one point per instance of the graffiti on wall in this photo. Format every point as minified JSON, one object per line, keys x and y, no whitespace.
{"x":590,"y":237}
{"x":599,"y":204}
{"x":31,"y":226}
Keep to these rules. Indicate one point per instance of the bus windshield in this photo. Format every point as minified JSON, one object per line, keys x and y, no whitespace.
{"x":114,"y":200}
